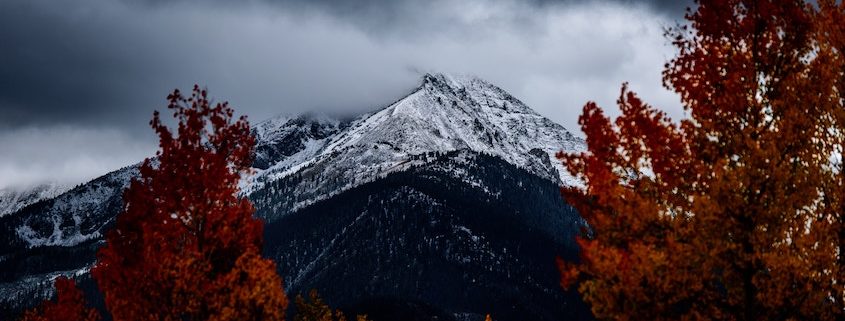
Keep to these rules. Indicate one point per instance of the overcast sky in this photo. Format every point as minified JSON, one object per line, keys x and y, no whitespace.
{"x":79,"y":79}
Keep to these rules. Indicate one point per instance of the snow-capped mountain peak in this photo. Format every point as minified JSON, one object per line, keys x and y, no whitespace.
{"x":475,"y":88}
{"x":461,"y":112}
{"x":444,"y":113}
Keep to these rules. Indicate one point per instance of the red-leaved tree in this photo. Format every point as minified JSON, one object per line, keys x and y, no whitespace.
{"x":186,"y":245}
{"x":737,"y":212}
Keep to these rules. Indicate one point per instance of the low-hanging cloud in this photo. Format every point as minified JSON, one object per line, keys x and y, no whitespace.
{"x":103,"y":66}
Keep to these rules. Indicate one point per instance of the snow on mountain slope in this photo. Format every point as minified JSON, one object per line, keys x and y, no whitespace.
{"x":444,"y":113}
{"x":451,"y":113}
{"x":319,"y":156}
{"x":13,"y":199}
{"x":77,"y":215}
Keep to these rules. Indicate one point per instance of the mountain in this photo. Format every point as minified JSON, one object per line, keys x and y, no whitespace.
{"x":444,"y":113}
{"x":442,"y":204}
{"x":12,"y":199}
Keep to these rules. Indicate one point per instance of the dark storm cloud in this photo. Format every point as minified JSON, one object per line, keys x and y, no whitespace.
{"x":414,"y":18}
{"x":97,"y":62}
{"x":63,"y":64}
{"x":73,"y":73}
{"x":392,"y":9}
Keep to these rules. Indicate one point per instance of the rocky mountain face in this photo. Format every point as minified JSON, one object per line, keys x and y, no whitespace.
{"x":442,"y":205}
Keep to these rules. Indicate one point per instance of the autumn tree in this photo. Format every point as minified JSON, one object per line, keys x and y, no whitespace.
{"x":735,"y":213}
{"x":827,"y":234}
{"x":186,"y":245}
{"x":68,"y":306}
{"x":314,"y":309}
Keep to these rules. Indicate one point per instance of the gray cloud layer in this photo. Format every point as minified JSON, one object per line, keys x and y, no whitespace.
{"x":98,"y":68}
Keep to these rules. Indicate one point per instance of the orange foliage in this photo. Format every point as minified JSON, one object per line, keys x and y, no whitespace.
{"x":186,"y":246}
{"x":737,"y":212}
{"x":69,"y":305}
